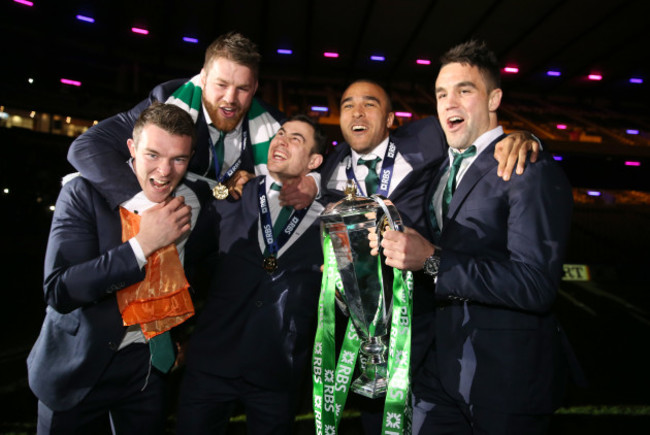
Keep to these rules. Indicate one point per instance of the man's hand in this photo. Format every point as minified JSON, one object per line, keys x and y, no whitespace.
{"x":299,"y":194}
{"x":236,"y":183}
{"x":404,"y":250}
{"x":514,"y":149}
{"x":163,"y":224}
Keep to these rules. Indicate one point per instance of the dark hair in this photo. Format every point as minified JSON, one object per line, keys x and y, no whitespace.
{"x":169,"y":117}
{"x":476,"y":53}
{"x":389,"y":103}
{"x":320,"y":140}
{"x":237,"y":48}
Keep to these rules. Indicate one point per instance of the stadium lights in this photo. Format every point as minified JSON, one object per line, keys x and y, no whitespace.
{"x":284,"y":51}
{"x":190,"y":39}
{"x":377,"y":58}
{"x":331,"y":54}
{"x":557,"y":158}
{"x":553,"y":73}
{"x":511,"y":69}
{"x":319,"y":109}
{"x":632,"y":131}
{"x":423,"y":62}
{"x":595,"y":77}
{"x":636,"y":80}
{"x":403,"y":114}
{"x":85,"y":18}
{"x":632,"y":163}
{"x":71,"y":82}
{"x":593,"y":193}
{"x":25,"y":2}
{"x":139,"y":31}
{"x":561,"y":126}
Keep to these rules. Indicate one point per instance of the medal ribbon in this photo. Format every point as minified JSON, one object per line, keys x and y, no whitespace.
{"x":273,"y":245}
{"x":217,"y":164}
{"x":385,"y":175}
{"x":332,"y":382}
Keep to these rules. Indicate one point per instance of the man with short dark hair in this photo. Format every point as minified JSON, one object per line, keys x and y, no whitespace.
{"x":497,"y":359}
{"x":115,"y":286}
{"x":253,"y":337}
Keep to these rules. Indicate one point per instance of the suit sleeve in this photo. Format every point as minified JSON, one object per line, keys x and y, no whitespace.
{"x":523,"y":272}
{"x":99,"y":154}
{"x":76,"y":272}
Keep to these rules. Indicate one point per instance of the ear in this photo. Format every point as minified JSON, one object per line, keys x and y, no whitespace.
{"x":131,"y":144}
{"x":494,"y":100}
{"x":255,"y":87}
{"x":204,"y":76}
{"x":390,"y":119}
{"x":315,"y":161}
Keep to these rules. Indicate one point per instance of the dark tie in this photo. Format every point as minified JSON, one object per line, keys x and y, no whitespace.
{"x":372,"y":179}
{"x":162,"y":351}
{"x":283,"y":216}
{"x":218,"y":151}
{"x":450,"y":188}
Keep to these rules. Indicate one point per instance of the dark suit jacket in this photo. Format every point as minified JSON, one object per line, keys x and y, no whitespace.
{"x":497,"y":345}
{"x":85,"y":264}
{"x":99,"y":154}
{"x":257,"y":325}
{"x":422,"y":144}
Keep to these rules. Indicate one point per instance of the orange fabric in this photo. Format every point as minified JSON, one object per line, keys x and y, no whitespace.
{"x":162,"y":300}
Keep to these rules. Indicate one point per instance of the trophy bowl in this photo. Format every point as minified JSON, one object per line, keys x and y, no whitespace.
{"x":367,"y":300}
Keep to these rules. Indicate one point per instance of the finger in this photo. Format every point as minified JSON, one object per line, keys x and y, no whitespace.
{"x":521,"y":162}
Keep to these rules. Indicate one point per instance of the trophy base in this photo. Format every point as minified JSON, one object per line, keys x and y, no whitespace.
{"x":372,"y":388}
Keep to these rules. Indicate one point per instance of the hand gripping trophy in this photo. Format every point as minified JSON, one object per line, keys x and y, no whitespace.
{"x":380,"y":316}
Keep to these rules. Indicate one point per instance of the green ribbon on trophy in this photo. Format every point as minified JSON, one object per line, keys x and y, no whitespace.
{"x":331,"y":381}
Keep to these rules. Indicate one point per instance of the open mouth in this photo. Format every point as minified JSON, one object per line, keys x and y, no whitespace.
{"x":359,"y":128}
{"x":228,"y":111}
{"x":159,"y":184}
{"x":454,"y":122}
{"x":279,"y":155}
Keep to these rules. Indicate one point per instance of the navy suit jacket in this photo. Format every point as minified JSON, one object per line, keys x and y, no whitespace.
{"x":422,"y":144}
{"x":99,"y":154}
{"x":86,"y":262}
{"x":496,"y":343}
{"x":257,"y":325}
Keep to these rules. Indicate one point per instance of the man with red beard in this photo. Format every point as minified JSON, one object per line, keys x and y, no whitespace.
{"x":233,"y":128}
{"x":254,"y":336}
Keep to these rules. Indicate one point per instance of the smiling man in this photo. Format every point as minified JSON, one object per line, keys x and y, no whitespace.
{"x":253,"y":337}
{"x":233,"y":128}
{"x":497,"y":359}
{"x":97,"y":355}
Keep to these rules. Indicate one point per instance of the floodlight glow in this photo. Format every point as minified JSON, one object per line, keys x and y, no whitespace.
{"x":139,"y":31}
{"x":190,"y":40}
{"x":557,"y":158}
{"x":71,"y":82}
{"x":284,"y":51}
{"x":423,"y":62}
{"x":631,"y":131}
{"x":561,"y":126}
{"x":403,"y":114}
{"x":377,"y":58}
{"x":595,"y":77}
{"x":30,"y":81}
{"x":24,"y":2}
{"x":85,"y":18}
{"x":335,"y":142}
{"x":553,"y":73}
{"x":632,"y":163}
{"x":319,"y":109}
{"x":331,"y":54}
{"x":636,"y":80}
{"x":593,"y":193}
{"x":511,"y":69}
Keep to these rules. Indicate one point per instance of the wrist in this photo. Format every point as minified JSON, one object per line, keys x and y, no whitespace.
{"x":432,"y":263}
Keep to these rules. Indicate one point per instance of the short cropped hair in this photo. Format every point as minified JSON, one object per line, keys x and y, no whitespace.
{"x":389,"y":103}
{"x":320,"y":140}
{"x":169,"y":117}
{"x":476,"y":53}
{"x":234,"y":47}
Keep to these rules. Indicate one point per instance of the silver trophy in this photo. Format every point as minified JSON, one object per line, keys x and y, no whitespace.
{"x":369,"y":304}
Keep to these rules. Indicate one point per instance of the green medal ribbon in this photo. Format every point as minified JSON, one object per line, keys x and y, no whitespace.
{"x":331,"y":383}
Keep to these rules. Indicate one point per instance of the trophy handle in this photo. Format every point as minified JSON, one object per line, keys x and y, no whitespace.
{"x":390,"y":214}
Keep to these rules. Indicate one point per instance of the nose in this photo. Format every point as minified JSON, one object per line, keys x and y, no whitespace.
{"x":229,"y":96}
{"x":165,"y":167}
{"x":357,"y":111}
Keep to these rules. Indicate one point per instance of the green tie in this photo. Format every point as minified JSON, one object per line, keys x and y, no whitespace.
{"x":162,"y":351}
{"x":283,"y":216}
{"x":218,"y":151}
{"x":450,"y":188}
{"x":372,"y":179}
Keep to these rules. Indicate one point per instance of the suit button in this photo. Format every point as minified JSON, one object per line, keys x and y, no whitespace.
{"x":258,"y":304}
{"x":112,"y":346}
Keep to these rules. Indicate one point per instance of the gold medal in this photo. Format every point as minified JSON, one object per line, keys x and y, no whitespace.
{"x":270,"y":264}
{"x":220,"y":191}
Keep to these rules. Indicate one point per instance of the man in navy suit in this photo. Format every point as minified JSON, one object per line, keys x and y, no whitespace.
{"x":497,"y":360}
{"x":405,"y":160}
{"x":86,"y":364}
{"x":233,"y":128}
{"x":254,"y":336}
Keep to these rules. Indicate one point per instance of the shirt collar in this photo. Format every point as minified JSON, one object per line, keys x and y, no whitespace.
{"x":482,"y":142}
{"x":378,"y":151}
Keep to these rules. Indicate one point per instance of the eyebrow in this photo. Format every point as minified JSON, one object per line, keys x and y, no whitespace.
{"x":365,"y":98}
{"x":459,"y":85}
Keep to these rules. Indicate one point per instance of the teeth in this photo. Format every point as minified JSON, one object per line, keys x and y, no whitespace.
{"x":455,"y":119}
{"x":359,"y":128}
